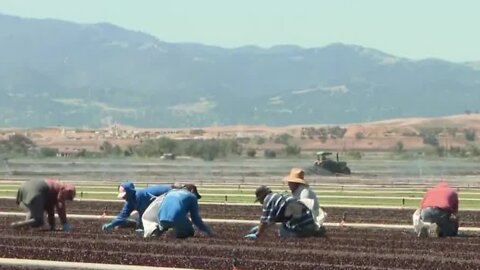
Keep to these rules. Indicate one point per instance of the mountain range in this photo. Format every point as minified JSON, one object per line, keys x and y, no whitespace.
{"x":89,"y":75}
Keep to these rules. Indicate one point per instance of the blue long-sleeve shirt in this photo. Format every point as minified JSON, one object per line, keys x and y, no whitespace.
{"x":138,"y":200}
{"x":177,"y":204}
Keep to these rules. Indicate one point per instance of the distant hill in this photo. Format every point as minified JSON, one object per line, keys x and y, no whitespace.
{"x":60,"y":73}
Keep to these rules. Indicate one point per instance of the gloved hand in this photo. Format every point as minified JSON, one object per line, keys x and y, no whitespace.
{"x":107,"y":227}
{"x":254,"y":229}
{"x":66,"y":227}
{"x":251,"y":236}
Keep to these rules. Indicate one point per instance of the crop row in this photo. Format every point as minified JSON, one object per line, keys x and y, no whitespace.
{"x":342,"y":248}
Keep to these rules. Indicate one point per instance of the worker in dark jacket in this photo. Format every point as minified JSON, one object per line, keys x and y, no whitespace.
{"x":137,"y":200}
{"x":39,"y":196}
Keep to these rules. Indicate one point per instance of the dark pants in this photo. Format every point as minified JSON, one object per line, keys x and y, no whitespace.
{"x":182,"y":229}
{"x":306,"y":231}
{"x":36,"y":210}
{"x":446,"y":222}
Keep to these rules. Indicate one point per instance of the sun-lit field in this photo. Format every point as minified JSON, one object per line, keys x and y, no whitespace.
{"x":379,"y":197}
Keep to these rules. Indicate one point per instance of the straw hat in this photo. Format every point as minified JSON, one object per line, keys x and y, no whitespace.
{"x":296,"y":176}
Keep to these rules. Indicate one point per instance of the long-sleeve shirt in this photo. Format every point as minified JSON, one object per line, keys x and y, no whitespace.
{"x":177,"y":204}
{"x":53,"y":192}
{"x":287,"y":210}
{"x":139,"y":200}
{"x":304,"y":192}
{"x":442,"y":196}
{"x":55,"y":200}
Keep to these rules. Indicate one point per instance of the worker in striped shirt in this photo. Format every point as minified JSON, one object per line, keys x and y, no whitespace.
{"x":295,"y":218}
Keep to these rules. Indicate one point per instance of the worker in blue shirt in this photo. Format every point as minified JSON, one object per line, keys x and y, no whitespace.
{"x":137,"y":200}
{"x":176,"y":205}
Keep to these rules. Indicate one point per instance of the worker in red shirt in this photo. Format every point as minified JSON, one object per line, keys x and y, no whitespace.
{"x":438,"y":211}
{"x":39,"y":196}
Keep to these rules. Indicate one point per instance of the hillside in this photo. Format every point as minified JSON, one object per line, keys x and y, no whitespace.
{"x":56,"y":73}
{"x":374,"y":136}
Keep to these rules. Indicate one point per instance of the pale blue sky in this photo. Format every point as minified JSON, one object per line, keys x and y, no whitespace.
{"x":415,"y":29}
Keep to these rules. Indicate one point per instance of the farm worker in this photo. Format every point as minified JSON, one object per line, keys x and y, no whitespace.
{"x":44,"y":195}
{"x":135,"y":200}
{"x":438,"y":211}
{"x":302,"y":192}
{"x":175,"y":207}
{"x":296,"y":218}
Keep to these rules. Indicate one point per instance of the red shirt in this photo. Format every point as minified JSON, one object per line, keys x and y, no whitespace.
{"x":441,"y":196}
{"x":58,"y":193}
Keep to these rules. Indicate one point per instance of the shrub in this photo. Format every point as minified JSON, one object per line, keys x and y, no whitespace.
{"x":470,"y":135}
{"x":260,"y":140}
{"x":251,"y":152}
{"x":48,"y":152}
{"x":359,"y":135}
{"x":16,"y":144}
{"x":440,"y":150}
{"x":337,"y":132}
{"x":431,"y":139}
{"x":270,"y":153}
{"x":106,"y":147}
{"x":398,"y":148}
{"x":283,"y":138}
{"x":292,"y":150}
{"x":354,"y":154}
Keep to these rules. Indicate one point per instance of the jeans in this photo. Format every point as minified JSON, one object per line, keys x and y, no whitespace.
{"x":36,"y":210}
{"x":306,"y":231}
{"x":447,"y":223}
{"x":182,"y":229}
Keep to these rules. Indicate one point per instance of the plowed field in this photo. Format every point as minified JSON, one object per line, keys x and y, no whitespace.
{"x":342,"y":248}
{"x":335,"y":214}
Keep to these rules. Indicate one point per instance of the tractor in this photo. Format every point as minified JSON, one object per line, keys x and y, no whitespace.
{"x":325,"y":165}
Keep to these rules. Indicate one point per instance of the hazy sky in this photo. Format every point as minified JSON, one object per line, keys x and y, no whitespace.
{"x":410,"y":28}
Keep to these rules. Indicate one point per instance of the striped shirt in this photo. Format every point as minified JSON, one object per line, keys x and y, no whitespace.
{"x":287,"y":210}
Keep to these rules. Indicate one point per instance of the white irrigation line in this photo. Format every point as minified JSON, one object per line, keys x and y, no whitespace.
{"x":387,"y":207}
{"x":35,"y":264}
{"x":253,"y":222}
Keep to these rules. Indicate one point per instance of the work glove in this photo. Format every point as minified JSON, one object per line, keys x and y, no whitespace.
{"x":66,"y":227}
{"x":254,"y":229}
{"x":251,"y":236}
{"x":107,"y":227}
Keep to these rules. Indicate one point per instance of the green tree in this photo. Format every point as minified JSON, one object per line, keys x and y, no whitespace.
{"x":48,"y":152}
{"x":16,"y":144}
{"x":430,"y":139}
{"x":292,"y":150}
{"x":359,"y":135}
{"x":269,"y":153}
{"x":116,"y":150}
{"x":260,"y":140}
{"x":166,"y":145}
{"x":470,"y":135}
{"x":337,"y":132}
{"x":398,"y":148}
{"x":283,"y":138}
{"x":106,"y":147}
{"x":251,"y":152}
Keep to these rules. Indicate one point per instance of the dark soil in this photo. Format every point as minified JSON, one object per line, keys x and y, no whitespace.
{"x":342,"y":248}
{"x":335,"y":214}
